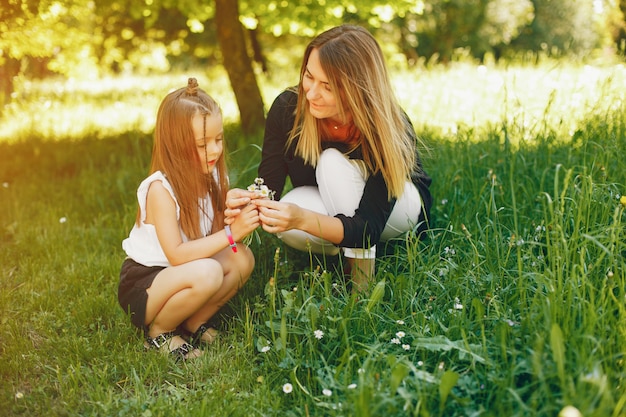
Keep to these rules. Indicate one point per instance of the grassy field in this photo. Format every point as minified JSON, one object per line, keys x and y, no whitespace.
{"x":514,"y":305}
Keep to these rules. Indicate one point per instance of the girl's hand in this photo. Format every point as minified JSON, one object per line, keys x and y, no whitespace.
{"x":236,"y":199}
{"x":245,"y":222}
{"x":278,"y":217}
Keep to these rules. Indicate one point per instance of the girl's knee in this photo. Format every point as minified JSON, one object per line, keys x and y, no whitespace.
{"x":249,"y":261}
{"x":209,"y":275}
{"x":236,"y":267}
{"x":244,"y":265}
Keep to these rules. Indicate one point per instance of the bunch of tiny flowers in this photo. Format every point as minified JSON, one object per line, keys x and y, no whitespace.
{"x":261,"y":188}
{"x":264,"y":191}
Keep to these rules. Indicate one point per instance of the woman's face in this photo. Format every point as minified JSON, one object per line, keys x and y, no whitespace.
{"x":209,"y":142}
{"x":322,"y":100}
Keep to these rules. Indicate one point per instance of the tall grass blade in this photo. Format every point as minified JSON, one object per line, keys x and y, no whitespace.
{"x":377,"y":294}
{"x":558,"y":349}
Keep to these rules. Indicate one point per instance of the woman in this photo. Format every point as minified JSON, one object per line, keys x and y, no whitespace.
{"x":349,"y":151}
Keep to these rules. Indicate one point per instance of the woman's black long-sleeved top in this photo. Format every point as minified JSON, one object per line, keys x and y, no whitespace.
{"x":363,"y":229}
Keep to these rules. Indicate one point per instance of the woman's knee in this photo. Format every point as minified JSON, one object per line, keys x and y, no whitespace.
{"x":333,"y":164}
{"x":306,"y":196}
{"x":331,"y":157}
{"x":341,"y":182}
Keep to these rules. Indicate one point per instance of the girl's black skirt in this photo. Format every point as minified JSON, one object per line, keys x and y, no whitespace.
{"x":135,"y":278}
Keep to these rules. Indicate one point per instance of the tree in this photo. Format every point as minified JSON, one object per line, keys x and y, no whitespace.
{"x":82,"y":38}
{"x":620,"y":28}
{"x":238,"y":64}
{"x":504,"y":20}
{"x":38,"y":38}
{"x":476,"y":26}
{"x":612,"y":25}
{"x":560,"y":27}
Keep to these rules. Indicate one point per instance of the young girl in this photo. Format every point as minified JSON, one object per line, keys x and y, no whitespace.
{"x":183,"y":262}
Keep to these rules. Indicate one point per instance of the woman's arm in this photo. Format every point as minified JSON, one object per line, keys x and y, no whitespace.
{"x":161,"y":212}
{"x":276,"y":217}
{"x":360,"y":230}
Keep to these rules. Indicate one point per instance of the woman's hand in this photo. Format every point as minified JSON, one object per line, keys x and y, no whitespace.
{"x":278,"y":217}
{"x":236,"y":200}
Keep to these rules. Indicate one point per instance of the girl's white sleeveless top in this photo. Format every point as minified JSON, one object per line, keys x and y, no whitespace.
{"x":142,"y":244}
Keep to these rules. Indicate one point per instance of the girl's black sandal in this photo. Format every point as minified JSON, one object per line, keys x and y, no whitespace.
{"x":162,"y":343}
{"x":207,"y":328}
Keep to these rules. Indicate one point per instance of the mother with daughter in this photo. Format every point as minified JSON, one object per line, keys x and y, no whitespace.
{"x":339,"y":136}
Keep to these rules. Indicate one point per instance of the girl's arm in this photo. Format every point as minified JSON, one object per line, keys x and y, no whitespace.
{"x":161,"y":212}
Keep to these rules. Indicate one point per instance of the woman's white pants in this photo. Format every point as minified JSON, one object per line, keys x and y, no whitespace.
{"x":340,"y":187}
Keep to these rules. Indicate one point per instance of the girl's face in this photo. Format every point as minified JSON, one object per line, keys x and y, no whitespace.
{"x":322,"y":100}
{"x":209,"y":139}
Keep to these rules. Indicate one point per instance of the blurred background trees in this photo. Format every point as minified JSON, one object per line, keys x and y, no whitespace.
{"x":86,"y":38}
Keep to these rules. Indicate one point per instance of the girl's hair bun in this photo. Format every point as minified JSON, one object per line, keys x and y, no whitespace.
{"x":192,"y":87}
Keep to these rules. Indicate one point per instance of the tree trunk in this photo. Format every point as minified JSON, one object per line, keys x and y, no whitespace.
{"x":257,"y":51}
{"x":230,"y":35}
{"x":8,"y":70}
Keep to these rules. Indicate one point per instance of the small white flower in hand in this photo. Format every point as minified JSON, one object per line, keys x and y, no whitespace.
{"x":261,"y":188}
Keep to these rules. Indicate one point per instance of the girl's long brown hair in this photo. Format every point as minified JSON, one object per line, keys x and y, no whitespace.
{"x":358,"y":76}
{"x":174,"y":154}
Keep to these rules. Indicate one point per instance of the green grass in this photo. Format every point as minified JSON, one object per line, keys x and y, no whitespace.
{"x":514,"y":305}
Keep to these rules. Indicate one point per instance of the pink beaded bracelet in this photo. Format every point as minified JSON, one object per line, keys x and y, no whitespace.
{"x":231,"y":241}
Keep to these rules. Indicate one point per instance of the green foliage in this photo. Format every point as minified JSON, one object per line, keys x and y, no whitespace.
{"x":57,"y":32}
{"x":86,"y":40}
{"x":513,"y":305}
{"x":81,"y":38}
{"x":561,"y":27}
{"x":281,"y":17}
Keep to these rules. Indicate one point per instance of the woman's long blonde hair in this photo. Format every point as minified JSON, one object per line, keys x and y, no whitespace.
{"x":174,"y":154}
{"x":358,"y":76}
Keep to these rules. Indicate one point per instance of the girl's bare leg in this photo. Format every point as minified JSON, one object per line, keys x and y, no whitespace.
{"x":179,"y":291}
{"x":237,"y":268}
